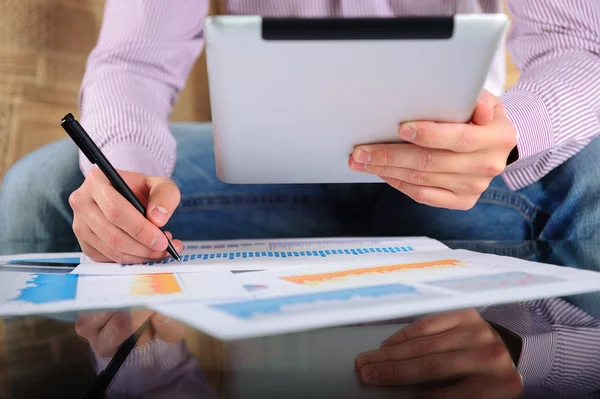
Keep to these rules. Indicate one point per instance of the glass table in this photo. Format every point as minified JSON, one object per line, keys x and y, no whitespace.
{"x":50,"y":356}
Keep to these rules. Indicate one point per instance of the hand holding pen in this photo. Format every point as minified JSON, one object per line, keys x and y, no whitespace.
{"x":118,"y":215}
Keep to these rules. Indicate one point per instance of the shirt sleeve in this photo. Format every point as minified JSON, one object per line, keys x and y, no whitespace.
{"x":555,"y":105}
{"x":158,"y":370}
{"x":560,"y":351}
{"x":144,"y":53}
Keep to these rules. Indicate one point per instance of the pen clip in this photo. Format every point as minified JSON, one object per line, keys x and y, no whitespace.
{"x":79,"y":136}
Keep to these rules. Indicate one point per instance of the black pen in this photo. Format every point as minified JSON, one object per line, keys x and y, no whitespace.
{"x":103,"y":380}
{"x":95,"y":156}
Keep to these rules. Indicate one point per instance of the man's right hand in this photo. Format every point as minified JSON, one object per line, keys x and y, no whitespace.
{"x":110,"y":229}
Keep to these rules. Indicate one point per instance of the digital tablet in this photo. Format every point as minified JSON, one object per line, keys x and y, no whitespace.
{"x":291,"y":98}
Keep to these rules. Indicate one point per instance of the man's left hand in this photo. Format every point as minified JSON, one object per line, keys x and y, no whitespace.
{"x":446,"y":165}
{"x":457,"y":349}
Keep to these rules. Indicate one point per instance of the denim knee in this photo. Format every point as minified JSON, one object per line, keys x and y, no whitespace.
{"x":34,"y":196}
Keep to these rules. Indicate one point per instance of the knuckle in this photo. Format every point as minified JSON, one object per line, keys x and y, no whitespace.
{"x":420,"y":348}
{"x":81,"y":327}
{"x":114,"y":241}
{"x":432,"y":367}
{"x":493,"y":169}
{"x":77,"y":228}
{"x":426,"y":161}
{"x":498,"y":353}
{"x":138,"y":232}
{"x":92,"y":253}
{"x":420,"y":195}
{"x":484,"y":333}
{"x":424,"y":326}
{"x":466,"y":139}
{"x":75,"y":201}
{"x":388,"y":158}
{"x":417,"y":177}
{"x":514,"y":382}
{"x":476,"y":186}
{"x":466,"y":204}
{"x":112,"y":213}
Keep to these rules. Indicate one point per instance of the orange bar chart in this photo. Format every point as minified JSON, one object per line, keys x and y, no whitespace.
{"x":155,"y":284}
{"x":315,"y":279}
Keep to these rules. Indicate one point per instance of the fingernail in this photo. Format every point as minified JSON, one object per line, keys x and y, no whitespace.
{"x":407,"y":132}
{"x":160,"y":214}
{"x":369,"y":374}
{"x":362,"y":156}
{"x":159,"y":243}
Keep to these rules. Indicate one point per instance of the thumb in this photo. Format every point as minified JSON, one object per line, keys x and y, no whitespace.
{"x":163,"y":199}
{"x":484,"y":111}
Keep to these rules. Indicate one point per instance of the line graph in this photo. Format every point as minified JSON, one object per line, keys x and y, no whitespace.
{"x":343,"y":275}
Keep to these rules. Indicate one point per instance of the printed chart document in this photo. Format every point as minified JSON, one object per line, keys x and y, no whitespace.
{"x":64,"y":262}
{"x":378,"y":288}
{"x":268,"y":254}
{"x":42,"y":293}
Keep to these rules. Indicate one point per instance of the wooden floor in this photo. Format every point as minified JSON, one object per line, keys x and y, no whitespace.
{"x":43,"y":48}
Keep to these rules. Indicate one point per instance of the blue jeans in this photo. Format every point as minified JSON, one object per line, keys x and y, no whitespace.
{"x":35,"y":215}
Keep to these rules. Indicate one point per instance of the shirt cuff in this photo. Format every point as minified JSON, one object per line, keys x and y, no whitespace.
{"x":131,"y":157}
{"x":535,"y":133}
{"x":539,"y":341}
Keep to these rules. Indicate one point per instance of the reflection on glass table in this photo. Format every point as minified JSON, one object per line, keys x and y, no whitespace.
{"x":554,"y":345}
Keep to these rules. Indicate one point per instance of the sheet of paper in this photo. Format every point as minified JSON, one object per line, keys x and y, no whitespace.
{"x":269,"y":254}
{"x":382,"y":290}
{"x":43,"y":263}
{"x":35,"y":293}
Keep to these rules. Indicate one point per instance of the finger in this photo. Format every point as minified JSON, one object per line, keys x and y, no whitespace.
{"x":120,"y":327}
{"x":492,"y":387}
{"x":116,"y":239}
{"x":120,"y":213}
{"x":167,"y":329}
{"x":456,"y":137}
{"x":459,"y":184}
{"x":89,"y":324}
{"x":433,"y":325}
{"x":99,"y":250}
{"x":455,"y":339}
{"x":163,"y":199}
{"x":432,"y":196}
{"x":411,"y":156}
{"x":483,"y":113}
{"x":493,"y":359}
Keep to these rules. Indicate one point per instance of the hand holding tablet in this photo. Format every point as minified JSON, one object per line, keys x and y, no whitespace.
{"x":292,"y":99}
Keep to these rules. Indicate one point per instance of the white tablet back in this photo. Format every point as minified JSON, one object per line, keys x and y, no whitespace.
{"x":291,"y":98}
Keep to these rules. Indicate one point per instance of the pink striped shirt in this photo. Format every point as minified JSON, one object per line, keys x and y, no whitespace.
{"x":146,"y":49}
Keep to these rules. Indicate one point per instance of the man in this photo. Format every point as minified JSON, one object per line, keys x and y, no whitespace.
{"x":525,"y":168}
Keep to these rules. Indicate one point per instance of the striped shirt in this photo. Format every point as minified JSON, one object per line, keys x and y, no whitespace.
{"x":146,"y":49}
